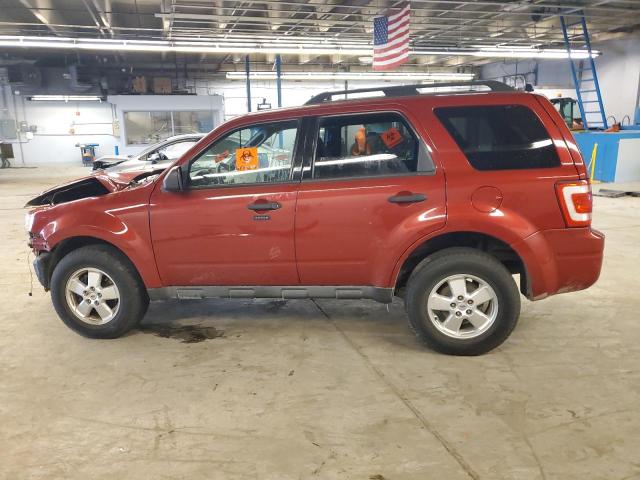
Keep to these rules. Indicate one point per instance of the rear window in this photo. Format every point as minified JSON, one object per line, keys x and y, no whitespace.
{"x":500,"y":137}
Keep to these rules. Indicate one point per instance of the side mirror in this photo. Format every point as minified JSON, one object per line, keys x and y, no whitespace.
{"x":173,"y":180}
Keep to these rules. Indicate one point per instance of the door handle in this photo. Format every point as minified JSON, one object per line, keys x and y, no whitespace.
{"x":256,"y":207}
{"x":408,"y":198}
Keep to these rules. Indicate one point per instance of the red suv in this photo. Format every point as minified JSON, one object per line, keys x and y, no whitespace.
{"x":437,"y":197}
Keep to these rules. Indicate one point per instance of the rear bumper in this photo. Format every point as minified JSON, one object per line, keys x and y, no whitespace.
{"x":562,"y":260}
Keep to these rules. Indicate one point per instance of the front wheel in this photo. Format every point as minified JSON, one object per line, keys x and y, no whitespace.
{"x":97,"y":292}
{"x":462,"y":301}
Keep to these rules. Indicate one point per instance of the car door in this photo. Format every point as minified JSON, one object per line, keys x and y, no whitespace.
{"x":233,"y":225}
{"x":371,"y":191}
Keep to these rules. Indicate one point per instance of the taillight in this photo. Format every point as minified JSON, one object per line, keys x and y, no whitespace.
{"x":576,"y":202}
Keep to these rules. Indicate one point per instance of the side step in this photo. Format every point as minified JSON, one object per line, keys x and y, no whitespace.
{"x":383,"y":295}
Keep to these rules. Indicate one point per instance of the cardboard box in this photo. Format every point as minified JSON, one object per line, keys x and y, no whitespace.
{"x":161,"y":85}
{"x":139,"y":85}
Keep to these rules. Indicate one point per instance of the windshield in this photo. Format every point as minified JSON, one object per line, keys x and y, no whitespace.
{"x":171,"y":150}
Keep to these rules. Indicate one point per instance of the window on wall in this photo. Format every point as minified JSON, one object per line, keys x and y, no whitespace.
{"x":258,"y":154}
{"x":500,"y":137}
{"x":192,"y":122}
{"x":144,"y":128}
{"x":365,"y":145}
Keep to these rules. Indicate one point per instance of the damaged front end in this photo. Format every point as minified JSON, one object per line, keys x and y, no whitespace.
{"x":87,"y":187}
{"x":82,"y":207}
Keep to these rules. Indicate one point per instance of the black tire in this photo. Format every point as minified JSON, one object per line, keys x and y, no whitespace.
{"x":133,"y":297}
{"x":462,"y":261}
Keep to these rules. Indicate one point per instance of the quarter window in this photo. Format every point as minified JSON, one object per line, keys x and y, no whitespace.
{"x":365,"y":145}
{"x":257,"y":154}
{"x":500,"y":137}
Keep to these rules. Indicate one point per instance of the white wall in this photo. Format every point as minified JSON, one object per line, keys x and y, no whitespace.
{"x":294,"y":93}
{"x":618,"y":71}
{"x":619,"y":76}
{"x":145,"y":103}
{"x":60,"y":126}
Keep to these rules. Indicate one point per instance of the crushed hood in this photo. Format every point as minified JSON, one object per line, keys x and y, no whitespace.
{"x":95,"y":185}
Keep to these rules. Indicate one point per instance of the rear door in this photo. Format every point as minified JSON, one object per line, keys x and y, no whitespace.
{"x":370,"y":189}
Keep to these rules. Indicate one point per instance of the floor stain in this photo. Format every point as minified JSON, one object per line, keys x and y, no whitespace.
{"x":185,"y":333}
{"x":275,"y":306}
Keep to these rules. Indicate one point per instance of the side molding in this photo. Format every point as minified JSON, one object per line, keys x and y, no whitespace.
{"x":382,"y":295}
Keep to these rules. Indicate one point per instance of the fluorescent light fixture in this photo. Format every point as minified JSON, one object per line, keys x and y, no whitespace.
{"x":528,"y":52}
{"x":357,"y":76}
{"x":64,"y":98}
{"x":284,"y":46}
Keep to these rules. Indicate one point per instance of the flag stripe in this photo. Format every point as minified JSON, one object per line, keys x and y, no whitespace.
{"x":391,"y":39}
{"x":388,"y":58}
{"x":397,"y":26}
{"x":392,"y":45}
{"x":401,"y":13}
{"x":398,"y":33}
{"x":390,"y":53}
{"x":395,"y":63}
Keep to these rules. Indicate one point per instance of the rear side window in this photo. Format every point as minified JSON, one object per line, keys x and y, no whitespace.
{"x":375,"y":144}
{"x":500,"y":137}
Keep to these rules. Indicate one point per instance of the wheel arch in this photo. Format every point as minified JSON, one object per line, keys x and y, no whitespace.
{"x":68,"y":245}
{"x":492,"y":245}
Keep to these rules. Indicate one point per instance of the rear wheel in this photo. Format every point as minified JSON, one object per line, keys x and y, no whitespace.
{"x":462,"y":301}
{"x":97,"y":292}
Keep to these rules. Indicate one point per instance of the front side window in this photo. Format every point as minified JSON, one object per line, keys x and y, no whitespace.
{"x":500,"y":137}
{"x":258,"y":154}
{"x":365,"y":145}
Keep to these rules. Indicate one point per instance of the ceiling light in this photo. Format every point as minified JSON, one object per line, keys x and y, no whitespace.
{"x":65,"y":98}
{"x":357,"y":76}
{"x":284,"y":46}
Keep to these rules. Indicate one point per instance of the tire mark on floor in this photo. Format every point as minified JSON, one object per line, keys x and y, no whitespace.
{"x":403,"y":398}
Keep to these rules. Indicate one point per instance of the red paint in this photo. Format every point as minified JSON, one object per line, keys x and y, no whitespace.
{"x":486,"y":199}
{"x":342,"y":232}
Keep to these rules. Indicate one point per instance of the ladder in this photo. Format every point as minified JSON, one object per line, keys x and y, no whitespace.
{"x":585,"y":78}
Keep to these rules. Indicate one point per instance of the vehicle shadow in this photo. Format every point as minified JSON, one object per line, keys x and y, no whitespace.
{"x":193,"y":321}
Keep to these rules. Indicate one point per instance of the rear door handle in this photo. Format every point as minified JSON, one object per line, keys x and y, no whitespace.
{"x":257,"y":207}
{"x":408,"y":198}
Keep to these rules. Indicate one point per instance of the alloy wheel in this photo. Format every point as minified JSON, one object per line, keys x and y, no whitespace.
{"x":92,"y":296}
{"x":462,"y":306}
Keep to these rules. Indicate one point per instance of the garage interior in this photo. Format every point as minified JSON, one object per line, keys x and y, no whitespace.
{"x":235,"y":389}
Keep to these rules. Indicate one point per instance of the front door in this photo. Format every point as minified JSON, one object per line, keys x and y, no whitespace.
{"x":372,"y":191}
{"x":234,"y":223}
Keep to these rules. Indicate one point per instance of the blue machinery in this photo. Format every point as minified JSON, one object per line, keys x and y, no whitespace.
{"x":587,"y":87}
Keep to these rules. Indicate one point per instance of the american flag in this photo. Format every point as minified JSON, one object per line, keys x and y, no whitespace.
{"x":391,"y":39}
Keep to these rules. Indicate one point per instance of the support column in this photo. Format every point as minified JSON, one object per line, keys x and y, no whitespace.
{"x":279,"y":79}
{"x":247,"y":69}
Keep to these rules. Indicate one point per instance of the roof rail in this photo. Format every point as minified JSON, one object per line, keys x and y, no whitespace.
{"x":410,"y":90}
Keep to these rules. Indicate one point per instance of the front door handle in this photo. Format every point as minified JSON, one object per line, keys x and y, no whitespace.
{"x":258,"y":206}
{"x":408,"y":198}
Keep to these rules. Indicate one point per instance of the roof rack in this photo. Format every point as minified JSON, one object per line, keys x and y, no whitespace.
{"x":410,"y":90}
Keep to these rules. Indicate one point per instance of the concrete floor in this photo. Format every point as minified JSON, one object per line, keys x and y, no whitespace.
{"x":333,"y":390}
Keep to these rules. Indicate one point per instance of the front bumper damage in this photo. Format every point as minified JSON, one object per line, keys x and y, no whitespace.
{"x":40,"y":266}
